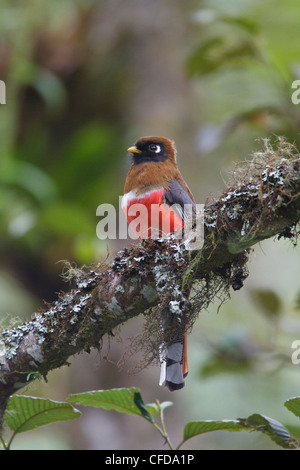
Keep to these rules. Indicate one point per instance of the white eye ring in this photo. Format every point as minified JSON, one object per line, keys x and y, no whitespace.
{"x":155,"y":148}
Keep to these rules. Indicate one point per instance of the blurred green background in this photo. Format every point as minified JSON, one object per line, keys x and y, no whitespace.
{"x":86,"y":78}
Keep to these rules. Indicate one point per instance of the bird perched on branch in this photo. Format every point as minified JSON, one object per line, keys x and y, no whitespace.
{"x":155,"y":201}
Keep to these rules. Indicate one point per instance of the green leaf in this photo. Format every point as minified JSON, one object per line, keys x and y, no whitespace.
{"x":152,"y":408}
{"x":26,"y":413}
{"x":165,"y":404}
{"x":267,"y":300}
{"x":295,"y":432}
{"x":217,"y":53}
{"x":272,"y":428}
{"x":194,"y":428}
{"x":256,"y":422}
{"x":247,"y":24}
{"x":141,"y":406}
{"x":123,"y":400}
{"x":293,"y":405}
{"x":155,"y":408}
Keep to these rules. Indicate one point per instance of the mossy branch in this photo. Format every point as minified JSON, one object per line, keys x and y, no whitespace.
{"x":263,"y":201}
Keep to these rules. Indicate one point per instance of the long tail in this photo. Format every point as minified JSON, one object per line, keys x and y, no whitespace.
{"x":174,"y":366}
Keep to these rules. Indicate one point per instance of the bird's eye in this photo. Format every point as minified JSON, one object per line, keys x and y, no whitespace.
{"x":154,"y":148}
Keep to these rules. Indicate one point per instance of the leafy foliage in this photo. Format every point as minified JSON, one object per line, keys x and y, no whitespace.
{"x":27,"y":413}
{"x":123,"y":400}
{"x":256,"y":422}
{"x":268,"y":301}
{"x":293,"y":405}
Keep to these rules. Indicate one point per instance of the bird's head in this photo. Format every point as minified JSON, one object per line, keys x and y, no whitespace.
{"x":153,"y":149}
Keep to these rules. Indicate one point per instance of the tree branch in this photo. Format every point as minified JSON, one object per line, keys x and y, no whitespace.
{"x":262,"y":201}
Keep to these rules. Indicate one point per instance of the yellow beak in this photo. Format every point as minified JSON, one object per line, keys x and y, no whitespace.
{"x":134,"y":149}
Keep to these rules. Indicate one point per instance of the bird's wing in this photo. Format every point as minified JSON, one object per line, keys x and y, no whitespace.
{"x":180,"y":198}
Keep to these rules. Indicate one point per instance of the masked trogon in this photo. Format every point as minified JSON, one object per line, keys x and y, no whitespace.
{"x":155,"y":182}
